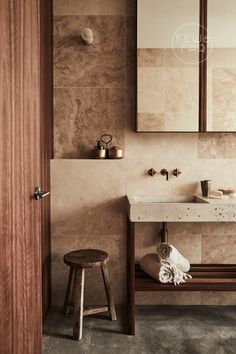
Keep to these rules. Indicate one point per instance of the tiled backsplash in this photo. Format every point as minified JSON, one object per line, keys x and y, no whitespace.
{"x":95,"y":93}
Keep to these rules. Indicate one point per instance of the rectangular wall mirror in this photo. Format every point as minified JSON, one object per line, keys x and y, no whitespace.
{"x":168,"y":65}
{"x":221,"y":66}
{"x":186,"y":72}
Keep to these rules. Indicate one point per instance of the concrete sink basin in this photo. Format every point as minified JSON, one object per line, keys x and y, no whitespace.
{"x":179,"y":208}
{"x":168,"y":199}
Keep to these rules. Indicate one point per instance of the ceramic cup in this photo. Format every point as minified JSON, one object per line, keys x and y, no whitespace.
{"x":206,"y":187}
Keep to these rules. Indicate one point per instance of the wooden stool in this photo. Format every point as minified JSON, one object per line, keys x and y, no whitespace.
{"x":78,"y":261}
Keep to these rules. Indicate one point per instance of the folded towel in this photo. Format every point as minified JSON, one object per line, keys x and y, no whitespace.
{"x":172,"y":255}
{"x":162,"y":270}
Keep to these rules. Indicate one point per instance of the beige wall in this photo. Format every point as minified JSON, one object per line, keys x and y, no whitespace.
{"x":94,"y":94}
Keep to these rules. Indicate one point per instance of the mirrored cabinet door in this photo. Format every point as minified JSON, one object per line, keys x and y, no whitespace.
{"x":221,"y":66}
{"x":168,"y":65}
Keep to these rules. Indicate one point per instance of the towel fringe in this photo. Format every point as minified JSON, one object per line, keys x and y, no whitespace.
{"x":169,"y":273}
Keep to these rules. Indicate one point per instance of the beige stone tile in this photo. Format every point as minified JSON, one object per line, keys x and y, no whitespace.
{"x":187,"y":228}
{"x":224,"y":90}
{"x":217,"y":146}
{"x":98,"y":65}
{"x":181,"y":57}
{"x":150,"y":122}
{"x":151,"y":90}
{"x":168,"y":298}
{"x":222,"y":64}
{"x":216,"y":228}
{"x":181,"y":90}
{"x":221,"y":172}
{"x":140,"y":183}
{"x":210,"y":123}
{"x":89,"y":7}
{"x":147,"y":237}
{"x":223,"y":122}
{"x":189,"y":245}
{"x":222,"y":58}
{"x":218,"y":298}
{"x":150,"y":57}
{"x":181,"y":122}
{"x":88,"y":197}
{"x":188,"y":183}
{"x":218,"y":249}
{"x":94,"y":288}
{"x":149,"y":146}
{"x":82,"y":115}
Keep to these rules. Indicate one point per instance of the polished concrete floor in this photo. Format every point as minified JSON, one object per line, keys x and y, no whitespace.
{"x":159,"y":329}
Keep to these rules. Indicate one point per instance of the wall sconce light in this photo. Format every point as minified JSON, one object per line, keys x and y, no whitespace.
{"x":87,"y":35}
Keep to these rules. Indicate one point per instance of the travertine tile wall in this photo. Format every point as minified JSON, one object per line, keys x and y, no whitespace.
{"x":167,"y":90}
{"x":221,"y":89}
{"x":95,"y":93}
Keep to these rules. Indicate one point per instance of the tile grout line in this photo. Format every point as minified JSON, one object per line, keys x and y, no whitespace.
{"x":86,"y":15}
{"x":94,"y":87}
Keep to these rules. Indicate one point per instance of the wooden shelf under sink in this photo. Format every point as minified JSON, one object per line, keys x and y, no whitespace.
{"x":206,"y":277}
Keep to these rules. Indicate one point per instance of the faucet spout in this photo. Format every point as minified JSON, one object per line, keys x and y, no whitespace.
{"x":164,"y":172}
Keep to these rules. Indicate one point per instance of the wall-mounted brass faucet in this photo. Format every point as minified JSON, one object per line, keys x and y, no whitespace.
{"x":164,"y":172}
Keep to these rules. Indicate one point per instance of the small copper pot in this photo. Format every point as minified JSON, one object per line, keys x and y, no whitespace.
{"x":116,"y":153}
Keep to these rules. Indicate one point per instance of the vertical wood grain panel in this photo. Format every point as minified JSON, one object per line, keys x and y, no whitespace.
{"x":21,"y":156}
{"x":6,"y":217}
{"x":26,"y":174}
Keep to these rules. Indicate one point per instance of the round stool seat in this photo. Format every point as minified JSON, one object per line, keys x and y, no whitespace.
{"x":87,"y":258}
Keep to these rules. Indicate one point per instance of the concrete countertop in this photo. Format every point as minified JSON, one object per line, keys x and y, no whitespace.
{"x":180,"y":209}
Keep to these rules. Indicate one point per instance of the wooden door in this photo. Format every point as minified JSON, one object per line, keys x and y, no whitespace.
{"x":24,"y":156}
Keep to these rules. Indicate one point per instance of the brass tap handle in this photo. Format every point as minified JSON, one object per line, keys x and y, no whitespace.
{"x":152,"y":172}
{"x":164,"y":172}
{"x":176,"y":172}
